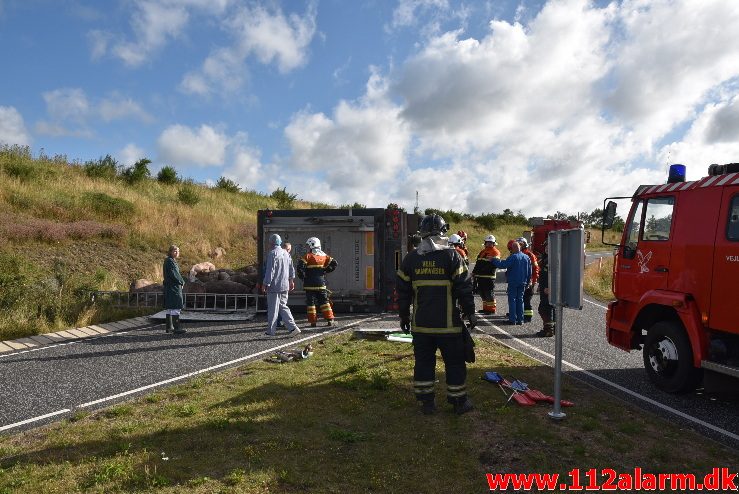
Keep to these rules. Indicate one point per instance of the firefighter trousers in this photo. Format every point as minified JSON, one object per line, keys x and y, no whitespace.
{"x":546,"y":311}
{"x":320,"y":297}
{"x":528,"y":311}
{"x":424,"y":370}
{"x":486,"y":289}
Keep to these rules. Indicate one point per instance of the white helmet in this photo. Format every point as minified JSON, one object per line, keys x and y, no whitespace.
{"x":455,"y":239}
{"x":490,"y":238}
{"x":313,"y":243}
{"x":523,"y":242}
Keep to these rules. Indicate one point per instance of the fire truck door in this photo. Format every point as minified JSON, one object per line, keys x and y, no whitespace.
{"x":724,"y":314}
{"x":643,"y":264}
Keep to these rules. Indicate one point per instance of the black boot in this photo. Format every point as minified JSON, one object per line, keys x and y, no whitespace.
{"x":168,"y":326}
{"x":428,"y":407}
{"x":463,"y":406}
{"x":177,"y":328}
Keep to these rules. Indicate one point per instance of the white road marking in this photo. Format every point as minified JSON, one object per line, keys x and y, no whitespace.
{"x":664,"y":407}
{"x":597,"y":305}
{"x":225,"y":364}
{"x":34,"y":419}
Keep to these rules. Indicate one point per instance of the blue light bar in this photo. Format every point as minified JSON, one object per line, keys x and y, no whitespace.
{"x":677,"y":174}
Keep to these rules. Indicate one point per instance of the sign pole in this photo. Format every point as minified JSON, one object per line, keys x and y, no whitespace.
{"x":557,"y":413}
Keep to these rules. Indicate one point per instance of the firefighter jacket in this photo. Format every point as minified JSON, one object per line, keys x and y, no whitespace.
{"x":312,"y":269}
{"x":435,"y":283}
{"x":544,"y":272}
{"x":463,"y":254}
{"x":534,"y":265}
{"x":518,"y":268}
{"x":484,"y":268}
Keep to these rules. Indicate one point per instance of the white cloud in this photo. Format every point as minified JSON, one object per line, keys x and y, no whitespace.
{"x":673,"y":54}
{"x":180,"y":145}
{"x":405,"y":13}
{"x":246,"y":167}
{"x":70,"y":112}
{"x":130,"y":154}
{"x":274,"y":37}
{"x":12,"y":128}
{"x":99,"y":41}
{"x":118,"y":107}
{"x":265,"y":34}
{"x":67,"y":104}
{"x":710,"y":139}
{"x":154,"y":23}
{"x":223,"y":70}
{"x":361,"y":146}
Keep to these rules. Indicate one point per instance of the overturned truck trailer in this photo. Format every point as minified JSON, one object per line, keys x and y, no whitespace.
{"x":368,"y":244}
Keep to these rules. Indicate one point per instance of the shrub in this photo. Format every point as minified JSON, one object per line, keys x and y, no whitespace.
{"x":168,"y":175}
{"x":105,"y":168}
{"x":356,"y":205}
{"x":22,"y":171}
{"x":487,"y":221}
{"x":107,"y":206}
{"x":284,"y":199}
{"x":188,"y":195}
{"x":138,"y":172}
{"x":228,"y":185}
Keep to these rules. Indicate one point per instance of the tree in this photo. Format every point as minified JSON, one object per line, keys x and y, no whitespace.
{"x":285,"y":200}
{"x":227,"y":184}
{"x":168,"y":175}
{"x":138,"y":172}
{"x":106,"y":168}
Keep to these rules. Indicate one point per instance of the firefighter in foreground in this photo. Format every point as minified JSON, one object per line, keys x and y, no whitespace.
{"x":528,"y":293}
{"x":435,"y":281}
{"x":484,"y":274}
{"x":312,"y":269}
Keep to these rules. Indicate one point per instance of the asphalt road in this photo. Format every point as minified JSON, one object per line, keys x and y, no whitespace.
{"x":50,"y":383}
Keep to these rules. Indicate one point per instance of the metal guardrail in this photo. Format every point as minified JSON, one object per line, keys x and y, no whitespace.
{"x":212,"y":302}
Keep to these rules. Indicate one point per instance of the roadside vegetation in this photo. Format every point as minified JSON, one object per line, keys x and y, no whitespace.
{"x":344,"y":420}
{"x":597,"y":279}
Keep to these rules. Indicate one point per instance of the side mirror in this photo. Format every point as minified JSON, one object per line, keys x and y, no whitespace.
{"x":609,"y":214}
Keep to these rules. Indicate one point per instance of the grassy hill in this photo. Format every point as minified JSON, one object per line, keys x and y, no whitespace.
{"x":68,"y":228}
{"x":63,"y":232}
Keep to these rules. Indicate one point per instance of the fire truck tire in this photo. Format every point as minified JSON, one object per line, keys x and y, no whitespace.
{"x":668,"y":358}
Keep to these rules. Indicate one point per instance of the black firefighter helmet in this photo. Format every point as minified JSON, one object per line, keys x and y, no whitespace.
{"x":432,"y":224}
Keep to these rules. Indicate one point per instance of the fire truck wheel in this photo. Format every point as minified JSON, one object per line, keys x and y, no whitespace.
{"x":668,"y":358}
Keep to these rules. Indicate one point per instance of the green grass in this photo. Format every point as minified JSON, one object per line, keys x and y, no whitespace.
{"x":343,"y":421}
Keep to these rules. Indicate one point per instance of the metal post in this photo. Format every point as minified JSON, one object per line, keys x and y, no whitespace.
{"x":557,"y":413}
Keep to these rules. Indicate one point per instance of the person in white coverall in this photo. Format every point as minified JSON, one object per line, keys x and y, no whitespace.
{"x":279,"y":279}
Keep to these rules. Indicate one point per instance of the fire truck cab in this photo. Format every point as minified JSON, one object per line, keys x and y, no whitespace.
{"x":675,"y":277}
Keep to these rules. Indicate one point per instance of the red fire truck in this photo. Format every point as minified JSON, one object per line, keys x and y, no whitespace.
{"x":540,"y":228}
{"x":675,"y":277}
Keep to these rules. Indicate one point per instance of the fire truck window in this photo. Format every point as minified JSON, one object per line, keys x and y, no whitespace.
{"x":632,"y":239}
{"x":658,"y":219}
{"x":733,"y":230}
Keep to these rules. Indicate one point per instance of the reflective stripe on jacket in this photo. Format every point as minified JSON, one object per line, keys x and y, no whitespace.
{"x":312,"y":268}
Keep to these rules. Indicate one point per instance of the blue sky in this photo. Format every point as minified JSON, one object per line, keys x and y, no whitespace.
{"x":536,"y":106}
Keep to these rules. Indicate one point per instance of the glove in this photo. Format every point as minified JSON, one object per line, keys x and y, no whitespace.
{"x":472,"y":320}
{"x":405,"y":324}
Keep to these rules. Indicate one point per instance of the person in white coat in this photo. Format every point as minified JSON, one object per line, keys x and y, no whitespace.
{"x":279,"y":279}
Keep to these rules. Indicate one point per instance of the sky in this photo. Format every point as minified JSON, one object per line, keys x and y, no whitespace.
{"x":478,"y":106}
